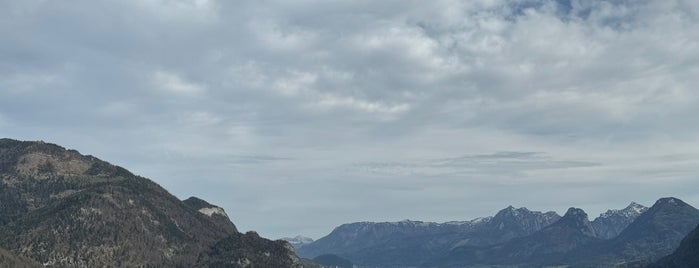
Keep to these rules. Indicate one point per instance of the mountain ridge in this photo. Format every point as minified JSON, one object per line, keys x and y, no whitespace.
{"x":354,"y":240}
{"x":409,"y":243}
{"x":543,"y":246}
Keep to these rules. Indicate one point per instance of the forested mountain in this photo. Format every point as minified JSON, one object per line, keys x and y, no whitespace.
{"x":61,"y":208}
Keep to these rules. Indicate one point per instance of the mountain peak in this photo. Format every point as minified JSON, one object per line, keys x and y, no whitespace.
{"x":511,"y":211}
{"x":576,"y":213}
{"x":635,"y":208}
{"x":613,"y":221}
{"x":654,"y":233}
{"x":670,"y":201}
{"x":576,"y":218}
{"x":632,"y":211}
{"x":42,"y":160}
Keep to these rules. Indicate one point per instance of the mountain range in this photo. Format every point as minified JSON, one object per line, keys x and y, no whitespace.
{"x":64,"y":209}
{"x":61,"y":208}
{"x":654,"y":234}
{"x":408,"y":242}
{"x":517,"y":237}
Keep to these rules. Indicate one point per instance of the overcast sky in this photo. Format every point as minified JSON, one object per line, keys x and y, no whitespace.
{"x":298,"y":116}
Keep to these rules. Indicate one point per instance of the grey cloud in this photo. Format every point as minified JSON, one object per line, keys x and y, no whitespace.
{"x":292,"y":100}
{"x":473,"y":166}
{"x":254,"y":159}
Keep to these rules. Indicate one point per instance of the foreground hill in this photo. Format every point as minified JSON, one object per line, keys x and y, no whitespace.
{"x":61,"y":208}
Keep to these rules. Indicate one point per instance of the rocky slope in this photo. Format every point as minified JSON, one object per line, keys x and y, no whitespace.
{"x":61,"y":208}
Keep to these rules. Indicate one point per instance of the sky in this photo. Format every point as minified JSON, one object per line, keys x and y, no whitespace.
{"x":299,"y":116}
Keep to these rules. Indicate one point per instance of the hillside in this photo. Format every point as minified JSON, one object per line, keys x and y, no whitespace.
{"x":686,"y":256}
{"x":9,"y":259}
{"x":62,"y":208}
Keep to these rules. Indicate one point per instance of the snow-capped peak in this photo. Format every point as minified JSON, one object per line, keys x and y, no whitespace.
{"x":299,"y":240}
{"x":636,"y":208}
{"x":631,"y":211}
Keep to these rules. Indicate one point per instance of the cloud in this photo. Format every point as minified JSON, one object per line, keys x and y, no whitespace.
{"x":202,"y":119}
{"x":22,"y":83}
{"x":511,"y":164}
{"x":172,"y":83}
{"x":254,"y":159}
{"x":366,"y":110}
{"x":197,"y":10}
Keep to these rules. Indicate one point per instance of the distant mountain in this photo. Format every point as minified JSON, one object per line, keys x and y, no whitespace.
{"x":511,"y":223}
{"x":546,"y":246}
{"x":613,"y":222}
{"x":411,"y":243}
{"x":686,"y":256}
{"x":298,"y":241}
{"x":385,"y":244}
{"x":655,"y":233}
{"x":574,"y":240}
{"x":61,"y":208}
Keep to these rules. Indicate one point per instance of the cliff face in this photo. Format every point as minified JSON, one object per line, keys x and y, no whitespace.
{"x":62,"y":208}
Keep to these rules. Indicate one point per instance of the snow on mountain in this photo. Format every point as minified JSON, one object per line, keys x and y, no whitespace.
{"x":610,"y":223}
{"x":632,"y":210}
{"x":298,"y":241}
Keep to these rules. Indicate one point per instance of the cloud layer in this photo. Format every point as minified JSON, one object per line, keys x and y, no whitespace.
{"x":297,"y":117}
